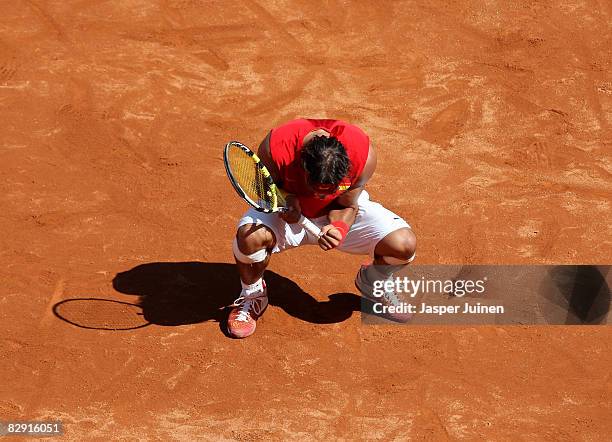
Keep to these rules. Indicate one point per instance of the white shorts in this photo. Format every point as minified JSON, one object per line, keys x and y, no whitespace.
{"x":372,"y":224}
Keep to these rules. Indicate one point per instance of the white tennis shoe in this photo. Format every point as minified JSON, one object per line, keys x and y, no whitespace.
{"x":387,"y":299}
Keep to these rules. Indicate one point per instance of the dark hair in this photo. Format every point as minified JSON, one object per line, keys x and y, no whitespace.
{"x":325,"y":160}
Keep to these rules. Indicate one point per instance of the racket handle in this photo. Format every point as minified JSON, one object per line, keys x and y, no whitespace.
{"x":310,"y":226}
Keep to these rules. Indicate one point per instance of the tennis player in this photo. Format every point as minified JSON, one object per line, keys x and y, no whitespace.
{"x":324,"y":166}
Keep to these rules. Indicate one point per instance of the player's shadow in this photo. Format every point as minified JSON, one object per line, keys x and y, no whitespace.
{"x":179,"y":293}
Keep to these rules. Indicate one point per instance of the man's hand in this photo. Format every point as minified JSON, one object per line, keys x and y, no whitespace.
{"x":330,"y":237}
{"x":294,"y":213}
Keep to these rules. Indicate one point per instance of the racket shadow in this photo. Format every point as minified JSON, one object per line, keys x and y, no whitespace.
{"x":180,"y":293}
{"x":100,"y":314}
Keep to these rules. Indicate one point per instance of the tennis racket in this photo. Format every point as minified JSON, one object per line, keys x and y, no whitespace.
{"x":253,"y":182}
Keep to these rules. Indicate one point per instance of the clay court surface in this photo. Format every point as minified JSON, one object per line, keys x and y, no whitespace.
{"x":493,"y":126}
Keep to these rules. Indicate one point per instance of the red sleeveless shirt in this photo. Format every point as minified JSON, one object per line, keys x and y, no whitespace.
{"x":286,"y":142}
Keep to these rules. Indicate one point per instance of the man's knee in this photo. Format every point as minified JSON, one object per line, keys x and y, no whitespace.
{"x":399,"y":245}
{"x":407,"y":244}
{"x":251,"y":238}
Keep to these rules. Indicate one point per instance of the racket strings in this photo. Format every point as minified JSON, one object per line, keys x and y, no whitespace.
{"x":251,"y":178}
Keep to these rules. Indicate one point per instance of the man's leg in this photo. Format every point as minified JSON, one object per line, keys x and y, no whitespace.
{"x":259,"y":234}
{"x":391,"y":254}
{"x":252,"y":248}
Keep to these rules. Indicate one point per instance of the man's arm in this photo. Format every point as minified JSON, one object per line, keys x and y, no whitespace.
{"x":345,"y":207}
{"x":265,"y":155}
